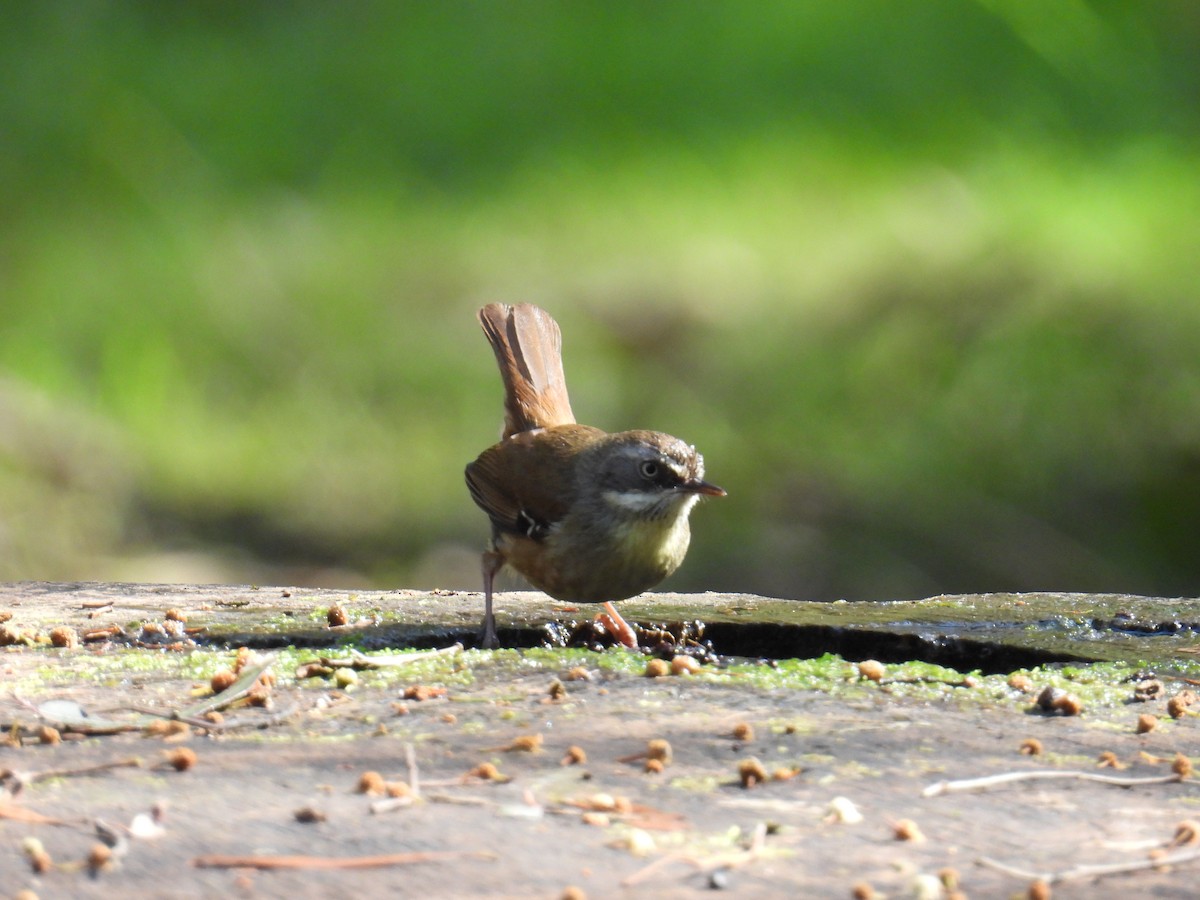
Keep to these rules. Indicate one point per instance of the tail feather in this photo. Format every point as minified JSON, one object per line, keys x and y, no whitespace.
{"x":528,"y":347}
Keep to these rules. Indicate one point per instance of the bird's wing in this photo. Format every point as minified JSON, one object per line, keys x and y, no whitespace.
{"x":525,"y":483}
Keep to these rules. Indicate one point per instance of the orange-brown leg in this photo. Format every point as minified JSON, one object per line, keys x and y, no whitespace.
{"x":492,"y":563}
{"x":617,"y":626}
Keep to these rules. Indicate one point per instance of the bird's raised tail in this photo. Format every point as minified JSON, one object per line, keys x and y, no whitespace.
{"x":528,"y":348}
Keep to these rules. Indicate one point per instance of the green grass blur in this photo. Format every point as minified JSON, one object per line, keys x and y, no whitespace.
{"x":918,"y":279}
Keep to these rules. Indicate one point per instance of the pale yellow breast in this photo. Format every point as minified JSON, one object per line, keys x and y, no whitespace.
{"x":655,"y":547}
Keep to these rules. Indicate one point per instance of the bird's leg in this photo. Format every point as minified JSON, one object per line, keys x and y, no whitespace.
{"x":617,"y":626}
{"x":492,"y":563}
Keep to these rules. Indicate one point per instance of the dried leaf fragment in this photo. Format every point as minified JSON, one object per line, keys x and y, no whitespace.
{"x":487,"y":772}
{"x":97,"y":634}
{"x":1056,"y":700}
{"x":1182,"y":766}
{"x":222,"y":680}
{"x":98,"y":858}
{"x":657,"y":668}
{"x":49,"y":735}
{"x":637,"y":842}
{"x":1148,"y":689}
{"x":1070,"y":705}
{"x":907,"y":830}
{"x":751,"y":772}
{"x":949,"y":878}
{"x":181,"y":758}
{"x":371,"y":783}
{"x":871,"y":669}
{"x":64,"y":636}
{"x":1178,"y":705}
{"x":1109,"y":760}
{"x":424,"y":692}
{"x":602,"y":802}
{"x":313,"y":670}
{"x":11,"y":635}
{"x":743,"y":731}
{"x":685,"y":665}
{"x":526,"y":743}
{"x":659,"y":749}
{"x":168,"y":729}
{"x":1187,"y":832}
{"x":575,"y":756}
{"x":36,"y":853}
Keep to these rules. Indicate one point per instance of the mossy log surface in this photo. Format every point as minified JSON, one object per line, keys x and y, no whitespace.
{"x":954,"y":697}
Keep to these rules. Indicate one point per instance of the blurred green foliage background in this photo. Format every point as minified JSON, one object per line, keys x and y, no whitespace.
{"x":918,"y":279}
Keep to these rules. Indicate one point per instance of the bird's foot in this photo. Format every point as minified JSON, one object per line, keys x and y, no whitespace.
{"x":615,"y":625}
{"x":488,"y":640}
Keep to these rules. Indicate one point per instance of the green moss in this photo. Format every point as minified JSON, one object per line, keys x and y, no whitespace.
{"x":699,"y":784}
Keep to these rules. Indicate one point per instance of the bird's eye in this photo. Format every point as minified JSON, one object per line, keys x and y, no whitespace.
{"x":649,"y":469}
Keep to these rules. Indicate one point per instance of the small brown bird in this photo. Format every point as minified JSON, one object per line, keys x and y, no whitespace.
{"x":586,"y":516}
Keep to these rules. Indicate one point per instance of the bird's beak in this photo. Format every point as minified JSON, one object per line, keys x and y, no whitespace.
{"x":703,"y":487}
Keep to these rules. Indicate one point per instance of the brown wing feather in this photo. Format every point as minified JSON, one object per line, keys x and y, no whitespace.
{"x":528,"y":347}
{"x":523,"y":477}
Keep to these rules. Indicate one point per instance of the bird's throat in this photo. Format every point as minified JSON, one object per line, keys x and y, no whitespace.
{"x":656,"y":543}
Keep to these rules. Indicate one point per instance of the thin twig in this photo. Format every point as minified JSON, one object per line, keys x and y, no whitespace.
{"x":1075,"y":873}
{"x":730,"y":860}
{"x":253,"y":721}
{"x":23,"y":778}
{"x":328,"y":862}
{"x":652,"y":868}
{"x":391,"y":804}
{"x":414,"y":775}
{"x":172,"y":716}
{"x":31,"y":817}
{"x":132,"y":762}
{"x":971,"y":784}
{"x":233,"y":724}
{"x":452,"y":800}
{"x":359,"y":660}
{"x":758,"y":841}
